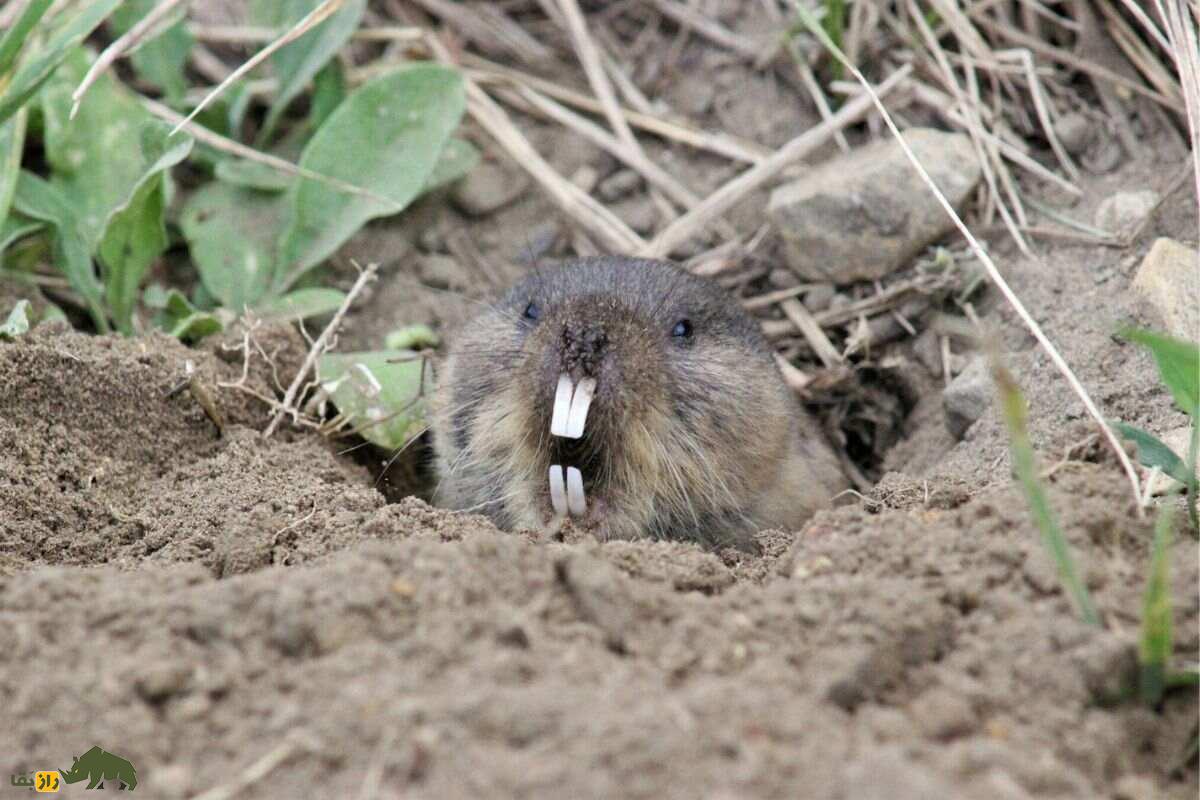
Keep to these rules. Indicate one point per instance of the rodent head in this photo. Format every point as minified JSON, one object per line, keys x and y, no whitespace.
{"x":687,"y":415}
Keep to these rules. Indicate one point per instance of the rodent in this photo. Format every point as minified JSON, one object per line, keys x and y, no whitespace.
{"x":691,"y":432}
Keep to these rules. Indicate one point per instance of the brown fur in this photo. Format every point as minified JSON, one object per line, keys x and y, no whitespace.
{"x":688,"y":437}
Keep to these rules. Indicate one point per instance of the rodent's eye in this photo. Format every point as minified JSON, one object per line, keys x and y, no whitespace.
{"x":682,"y":329}
{"x":532,"y":312}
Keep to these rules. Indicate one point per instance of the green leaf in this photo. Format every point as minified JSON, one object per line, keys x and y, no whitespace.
{"x":12,"y":146}
{"x":296,"y":63}
{"x":1015,"y":417}
{"x":411,"y":337}
{"x":1154,"y":648}
{"x":136,"y":233}
{"x":15,"y":227}
{"x":16,"y":36}
{"x":41,"y":200}
{"x":457,"y":159}
{"x":17,"y":323}
{"x":1178,"y":364}
{"x":1153,"y":452}
{"x":329,"y":90}
{"x":180,"y":319}
{"x":232,"y":233}
{"x":253,"y":175}
{"x":385,"y":137}
{"x":300,"y":304}
{"x":382,"y":399}
{"x":96,"y":158}
{"x":38,"y":69}
{"x":160,"y":61}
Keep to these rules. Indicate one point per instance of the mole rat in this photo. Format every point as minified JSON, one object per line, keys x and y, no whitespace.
{"x":633,"y":397}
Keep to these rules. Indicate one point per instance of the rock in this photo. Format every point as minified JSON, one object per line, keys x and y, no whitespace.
{"x":442,"y":272}
{"x":862,"y":216}
{"x":487,"y":188}
{"x":782,"y":278}
{"x":820,"y":297}
{"x":942,"y":714}
{"x":638,"y":213}
{"x":1169,"y":279}
{"x":1135,"y":787}
{"x":967,"y":397}
{"x":1123,"y":211}
{"x":1075,"y":132}
{"x":620,"y":184}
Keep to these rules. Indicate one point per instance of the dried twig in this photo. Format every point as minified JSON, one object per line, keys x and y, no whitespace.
{"x":319,"y":347}
{"x":992,"y":270}
{"x":227,"y":145}
{"x":728,"y":195}
{"x":125,"y":43}
{"x":587,"y":213}
{"x":310,"y":21}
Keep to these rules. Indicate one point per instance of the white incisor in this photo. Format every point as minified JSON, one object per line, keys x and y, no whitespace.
{"x":568,"y":420}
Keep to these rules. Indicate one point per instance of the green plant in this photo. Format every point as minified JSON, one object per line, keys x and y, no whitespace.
{"x":1015,"y":416}
{"x":86,"y":166}
{"x":1179,"y":367}
{"x":1155,"y":645}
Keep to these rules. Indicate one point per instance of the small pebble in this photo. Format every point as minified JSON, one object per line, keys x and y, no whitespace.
{"x":618,"y":185}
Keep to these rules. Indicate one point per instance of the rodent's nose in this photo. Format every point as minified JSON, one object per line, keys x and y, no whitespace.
{"x":583,"y":348}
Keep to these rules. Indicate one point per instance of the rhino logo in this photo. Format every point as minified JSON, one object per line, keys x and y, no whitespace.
{"x":99,"y":766}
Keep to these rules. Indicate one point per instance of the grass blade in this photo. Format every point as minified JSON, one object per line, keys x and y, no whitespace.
{"x":1013,"y":406}
{"x":18,"y":34}
{"x":1154,"y":649}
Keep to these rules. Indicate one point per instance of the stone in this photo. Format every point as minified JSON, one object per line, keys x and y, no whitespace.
{"x":782,"y":278}
{"x":867,"y":214}
{"x":1075,"y":132}
{"x":487,"y":189}
{"x":941,"y":714}
{"x":639,"y":213}
{"x":967,"y":397}
{"x":1169,"y":279}
{"x":1123,"y":211}
{"x":620,"y":184}
{"x":820,"y":297}
{"x":442,"y":272}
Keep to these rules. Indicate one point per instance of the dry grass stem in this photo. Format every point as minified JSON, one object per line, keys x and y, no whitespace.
{"x":235,"y":148}
{"x":310,"y":21}
{"x":685,"y":133}
{"x":122,"y":45}
{"x":696,"y":21}
{"x":735,"y":190}
{"x":251,"y":34}
{"x":803,"y":319}
{"x":319,"y":347}
{"x":527,"y":99}
{"x":995,"y":275}
{"x":575,"y":203}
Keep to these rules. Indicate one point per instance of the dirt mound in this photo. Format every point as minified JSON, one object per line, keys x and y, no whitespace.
{"x":261,"y":608}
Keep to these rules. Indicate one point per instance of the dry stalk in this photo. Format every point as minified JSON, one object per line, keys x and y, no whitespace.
{"x":319,"y":347}
{"x":992,"y":271}
{"x":587,"y":213}
{"x":310,"y":21}
{"x":240,"y":150}
{"x":125,"y":43}
{"x":728,"y":195}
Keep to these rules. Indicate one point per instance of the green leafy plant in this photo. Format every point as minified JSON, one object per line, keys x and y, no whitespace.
{"x":1156,"y":643}
{"x":86,"y":181}
{"x":1179,"y":368}
{"x":1015,"y":417}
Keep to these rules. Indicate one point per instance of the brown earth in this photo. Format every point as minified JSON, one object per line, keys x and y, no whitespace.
{"x":255,"y":616}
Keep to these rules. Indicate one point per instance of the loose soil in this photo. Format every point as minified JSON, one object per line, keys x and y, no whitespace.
{"x":261,"y":616}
